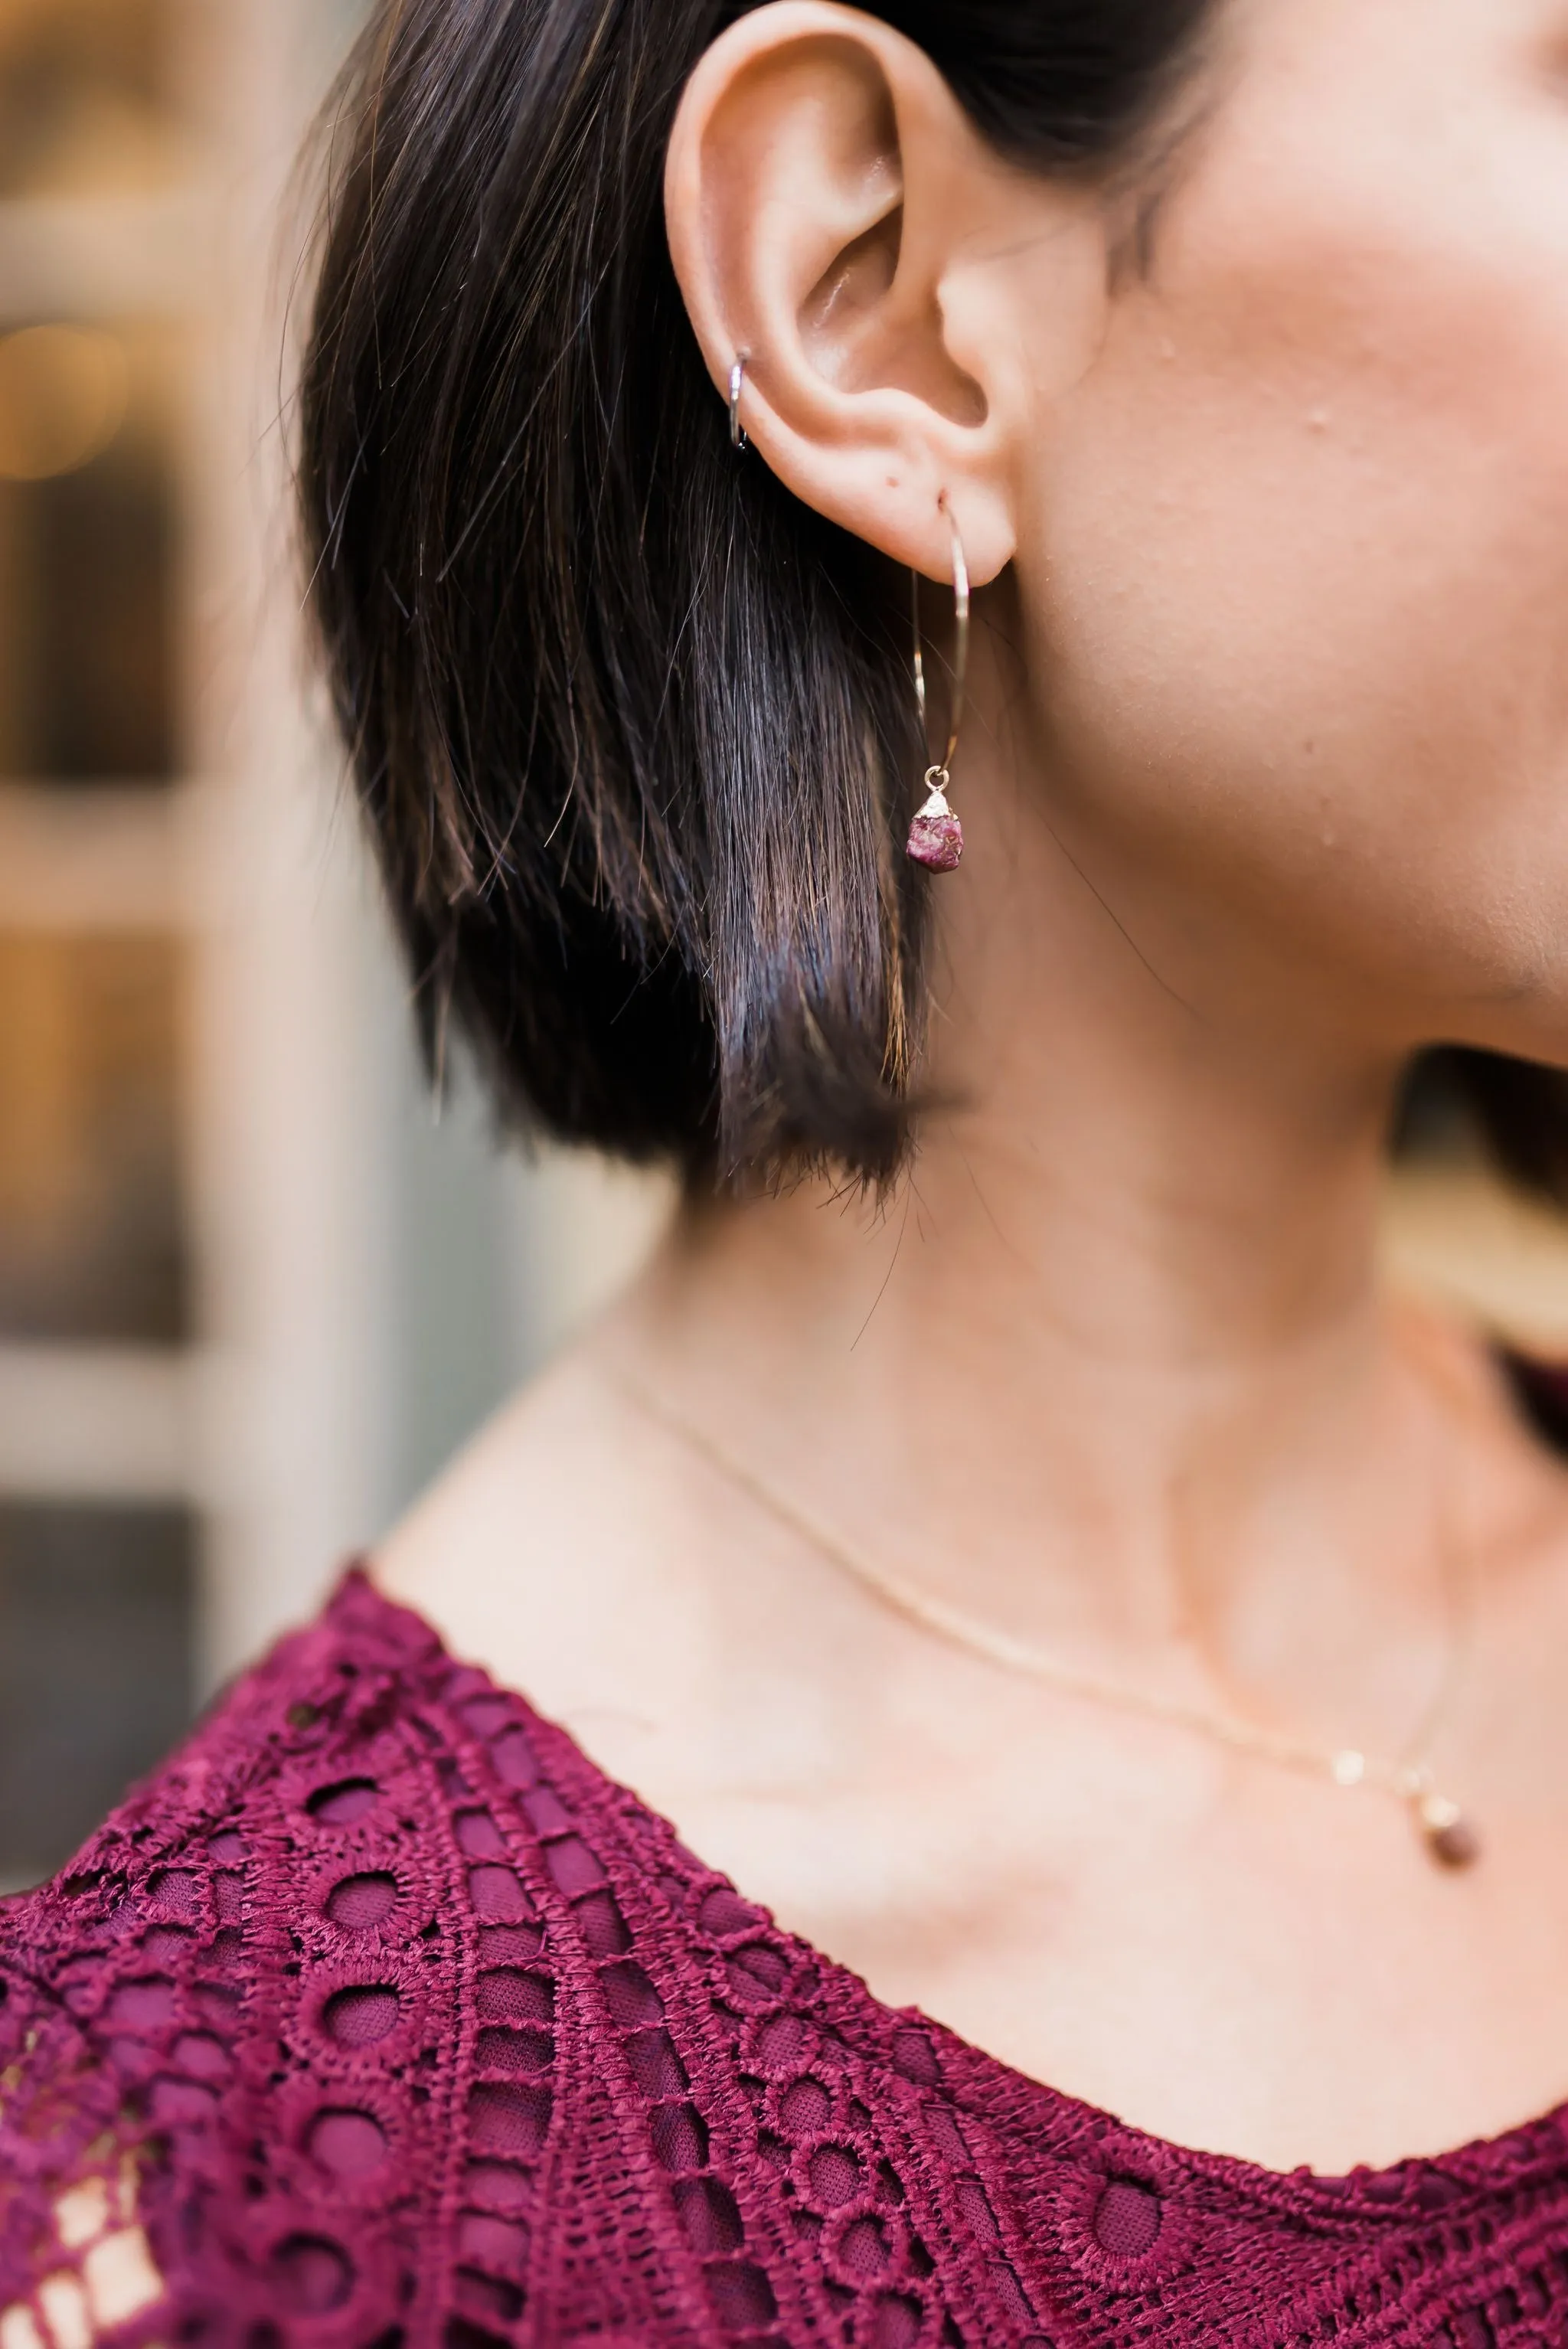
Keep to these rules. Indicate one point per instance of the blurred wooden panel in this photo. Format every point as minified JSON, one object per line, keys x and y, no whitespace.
{"x":97,"y":859}
{"x":98,"y":1611}
{"x":105,"y":257}
{"x":87,"y":95}
{"x":90,"y":553}
{"x":99,"y":1423}
{"x":91,"y":1193}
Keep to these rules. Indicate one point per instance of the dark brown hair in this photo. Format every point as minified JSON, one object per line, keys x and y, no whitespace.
{"x":632,"y":726}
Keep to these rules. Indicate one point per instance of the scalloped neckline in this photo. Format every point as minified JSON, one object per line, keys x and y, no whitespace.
{"x":1015,"y":2104}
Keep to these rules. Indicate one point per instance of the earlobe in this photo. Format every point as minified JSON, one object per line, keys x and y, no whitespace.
{"x":830,"y":212}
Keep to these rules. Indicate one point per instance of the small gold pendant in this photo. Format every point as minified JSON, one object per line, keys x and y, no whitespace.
{"x":1449,"y":1837}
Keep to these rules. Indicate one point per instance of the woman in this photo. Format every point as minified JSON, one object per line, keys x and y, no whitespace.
{"x":1009,"y":1530}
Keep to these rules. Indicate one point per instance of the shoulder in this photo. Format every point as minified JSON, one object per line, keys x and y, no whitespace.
{"x":175,"y":1876}
{"x":383,"y":2015}
{"x":241,"y":1921}
{"x":588,"y":1558}
{"x":177,"y":1871}
{"x":382,"y":1998}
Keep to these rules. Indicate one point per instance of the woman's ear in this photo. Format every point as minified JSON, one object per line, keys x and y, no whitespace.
{"x":836,"y":221}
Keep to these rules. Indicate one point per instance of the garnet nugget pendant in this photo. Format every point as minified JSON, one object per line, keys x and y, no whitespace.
{"x":936,"y":836}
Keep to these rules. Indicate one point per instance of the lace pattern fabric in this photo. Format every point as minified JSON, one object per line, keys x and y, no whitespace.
{"x":383,"y":2017}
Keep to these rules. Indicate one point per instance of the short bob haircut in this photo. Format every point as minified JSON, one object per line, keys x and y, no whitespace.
{"x":632,"y":726}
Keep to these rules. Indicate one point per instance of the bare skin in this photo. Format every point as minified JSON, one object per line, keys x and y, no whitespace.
{"x":1266,"y":784}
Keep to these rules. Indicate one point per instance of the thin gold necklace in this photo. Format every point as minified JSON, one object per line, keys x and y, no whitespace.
{"x":1446,"y":1832}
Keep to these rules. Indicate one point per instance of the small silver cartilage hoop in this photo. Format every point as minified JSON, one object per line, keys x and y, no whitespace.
{"x":737,"y":385}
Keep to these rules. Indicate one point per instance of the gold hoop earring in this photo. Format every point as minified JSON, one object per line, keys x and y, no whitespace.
{"x":737,"y":439}
{"x":936,"y":836}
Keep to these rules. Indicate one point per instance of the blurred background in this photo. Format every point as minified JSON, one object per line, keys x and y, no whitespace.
{"x":251,"y":1291}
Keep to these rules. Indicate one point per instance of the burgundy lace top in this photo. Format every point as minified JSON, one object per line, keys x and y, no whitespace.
{"x":383,"y":2017}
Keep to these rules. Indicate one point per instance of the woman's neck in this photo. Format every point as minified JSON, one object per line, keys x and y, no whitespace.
{"x":1112,"y":1371}
{"x":1113,"y":1366}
